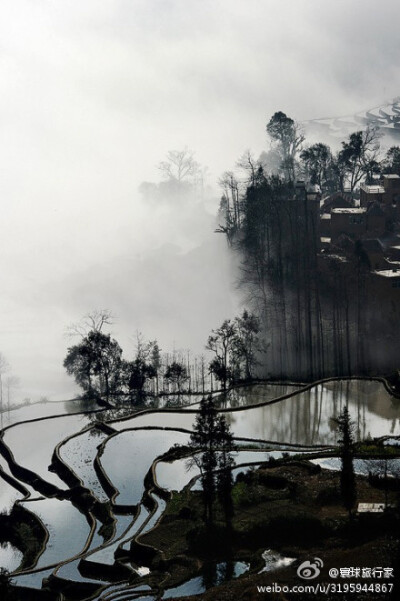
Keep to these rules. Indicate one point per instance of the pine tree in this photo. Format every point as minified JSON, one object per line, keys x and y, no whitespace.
{"x":224,"y":475}
{"x":346,"y":445}
{"x":212,"y":437}
{"x":205,"y":438}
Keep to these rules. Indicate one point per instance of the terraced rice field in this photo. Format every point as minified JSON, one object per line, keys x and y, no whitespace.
{"x":97,"y":481}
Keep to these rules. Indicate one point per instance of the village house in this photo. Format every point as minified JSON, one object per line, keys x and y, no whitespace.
{"x":351,"y":222}
{"x":371,"y":223}
{"x":376,"y":212}
{"x":387,"y":195}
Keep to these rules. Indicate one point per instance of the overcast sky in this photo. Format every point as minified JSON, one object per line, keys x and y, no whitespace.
{"x":93,"y":94}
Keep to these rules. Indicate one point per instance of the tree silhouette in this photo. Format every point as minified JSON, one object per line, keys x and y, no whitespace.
{"x":246,"y":342}
{"x":358,"y":156}
{"x":176,"y":374}
{"x":214,"y":442}
{"x":220,"y":342}
{"x":288,"y":137}
{"x":142,"y":368}
{"x":224,"y":475}
{"x":346,"y":445}
{"x":317,"y":163}
{"x":180,"y":165}
{"x":96,"y":364}
{"x":391,"y":162}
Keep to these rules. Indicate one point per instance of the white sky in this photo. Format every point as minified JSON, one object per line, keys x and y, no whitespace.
{"x":93,"y":94}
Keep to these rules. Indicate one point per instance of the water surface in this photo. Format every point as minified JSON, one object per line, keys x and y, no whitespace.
{"x":307,"y":418}
{"x":79,"y":453}
{"x":246,"y":396}
{"x":8,"y":496}
{"x":45,"y":409}
{"x":212,"y":575}
{"x":33,"y":444}
{"x":68,"y":529}
{"x":128,"y":457}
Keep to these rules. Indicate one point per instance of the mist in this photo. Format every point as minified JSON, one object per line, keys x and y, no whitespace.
{"x":93,"y":96}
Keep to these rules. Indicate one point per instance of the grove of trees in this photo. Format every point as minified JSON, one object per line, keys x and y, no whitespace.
{"x":96,"y":361}
{"x":235,"y":347}
{"x":317,"y":312}
{"x":357,"y":159}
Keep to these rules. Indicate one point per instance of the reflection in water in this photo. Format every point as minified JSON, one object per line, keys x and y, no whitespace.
{"x":106,"y":555}
{"x":70,"y":571}
{"x":128,"y":456}
{"x":212,"y":574}
{"x":253,"y":395}
{"x":177,"y":474}
{"x":33,"y":580}
{"x":67,"y":527}
{"x":45,"y":409}
{"x":306,"y":418}
{"x":33,"y":444}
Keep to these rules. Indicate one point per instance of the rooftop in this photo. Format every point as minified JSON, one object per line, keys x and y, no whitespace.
{"x":373,"y":189}
{"x":388,"y":273}
{"x":391,"y":176}
{"x":350,"y":211}
{"x":371,"y":507}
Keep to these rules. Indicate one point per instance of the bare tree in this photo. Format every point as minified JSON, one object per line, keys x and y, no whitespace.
{"x":91,"y":322}
{"x":249,"y":165}
{"x":180,"y":165}
{"x":230,"y":205}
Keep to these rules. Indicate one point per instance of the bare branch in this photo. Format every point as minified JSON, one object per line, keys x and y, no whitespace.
{"x":91,"y":322}
{"x":180,"y":165}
